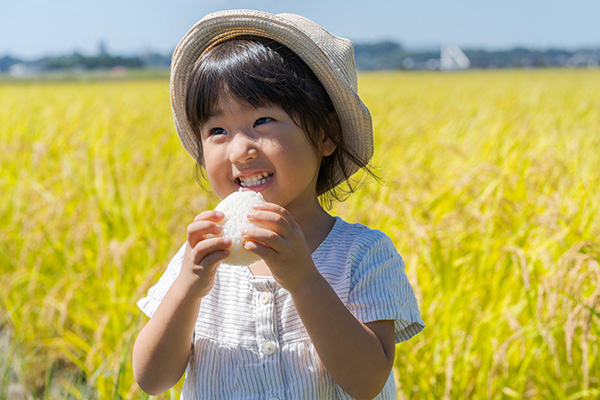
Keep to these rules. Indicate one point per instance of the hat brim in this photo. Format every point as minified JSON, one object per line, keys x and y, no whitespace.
{"x":325,"y":54}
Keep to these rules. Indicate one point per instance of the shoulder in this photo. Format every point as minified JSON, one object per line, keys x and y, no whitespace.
{"x":156,"y":293}
{"x":361,"y":239}
{"x":352,"y":249}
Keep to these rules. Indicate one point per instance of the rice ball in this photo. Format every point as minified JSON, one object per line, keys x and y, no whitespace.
{"x":236,"y":207}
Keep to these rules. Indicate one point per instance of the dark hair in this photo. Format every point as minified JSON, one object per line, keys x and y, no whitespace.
{"x":262,"y":72}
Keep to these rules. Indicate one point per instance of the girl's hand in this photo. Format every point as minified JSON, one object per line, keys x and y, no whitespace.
{"x":279,"y":241}
{"x":203,"y":254}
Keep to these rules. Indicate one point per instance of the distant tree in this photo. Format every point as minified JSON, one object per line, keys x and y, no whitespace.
{"x":380,"y":55}
{"x":6,"y":62}
{"x":96,"y":62}
{"x":384,"y":55}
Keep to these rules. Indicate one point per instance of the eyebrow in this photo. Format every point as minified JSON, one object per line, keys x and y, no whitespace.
{"x":216,"y":112}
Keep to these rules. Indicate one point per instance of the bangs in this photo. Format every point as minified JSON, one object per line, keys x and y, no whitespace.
{"x":259,"y":72}
{"x":232,"y":72}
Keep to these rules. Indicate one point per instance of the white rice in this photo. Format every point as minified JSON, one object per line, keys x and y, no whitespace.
{"x":236,"y":207}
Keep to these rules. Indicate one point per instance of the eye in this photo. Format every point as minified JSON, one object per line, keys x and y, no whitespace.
{"x":262,"y":120}
{"x":216,"y":131}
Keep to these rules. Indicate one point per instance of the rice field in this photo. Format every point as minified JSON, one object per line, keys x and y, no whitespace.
{"x":490,"y":191}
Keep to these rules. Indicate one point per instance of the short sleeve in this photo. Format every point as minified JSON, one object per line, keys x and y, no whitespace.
{"x":156,"y":293}
{"x":380,"y":289}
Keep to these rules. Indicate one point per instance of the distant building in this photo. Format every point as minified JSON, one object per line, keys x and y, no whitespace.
{"x":452,"y":58}
{"x":582,"y":59}
{"x":22,"y":70}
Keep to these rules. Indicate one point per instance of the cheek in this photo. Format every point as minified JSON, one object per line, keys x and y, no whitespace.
{"x":305,"y":156}
{"x":211,"y":156}
{"x":213,"y":168}
{"x":219,"y":185}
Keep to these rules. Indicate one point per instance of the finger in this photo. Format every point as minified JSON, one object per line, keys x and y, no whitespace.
{"x":259,"y":249}
{"x":273,"y":208}
{"x":198,"y":231}
{"x":209,"y":246}
{"x":277,"y":220}
{"x":265,"y":237}
{"x":215,"y":257}
{"x":210,"y":215}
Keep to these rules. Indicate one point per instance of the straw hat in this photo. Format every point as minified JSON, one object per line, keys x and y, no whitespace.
{"x":331,"y":58}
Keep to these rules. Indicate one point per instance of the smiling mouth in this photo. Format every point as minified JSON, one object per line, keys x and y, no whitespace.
{"x":254,"y":180}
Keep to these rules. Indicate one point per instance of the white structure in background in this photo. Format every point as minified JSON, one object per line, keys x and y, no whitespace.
{"x":452,"y":58}
{"x":22,"y":70}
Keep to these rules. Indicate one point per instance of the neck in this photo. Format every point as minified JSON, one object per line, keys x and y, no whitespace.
{"x":315,"y":223}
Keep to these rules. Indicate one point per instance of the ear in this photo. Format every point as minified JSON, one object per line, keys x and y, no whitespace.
{"x":332,"y":126}
{"x":327,"y":146}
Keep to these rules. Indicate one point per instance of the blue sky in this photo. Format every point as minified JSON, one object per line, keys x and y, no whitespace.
{"x":32,"y":28}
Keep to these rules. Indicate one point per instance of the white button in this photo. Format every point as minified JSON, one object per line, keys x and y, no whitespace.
{"x":265,"y":297}
{"x":269,"y":348}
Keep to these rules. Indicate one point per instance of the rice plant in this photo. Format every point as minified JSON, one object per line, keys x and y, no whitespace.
{"x":490,"y":192}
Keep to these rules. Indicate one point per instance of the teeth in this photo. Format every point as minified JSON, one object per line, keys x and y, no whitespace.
{"x":258,"y":179}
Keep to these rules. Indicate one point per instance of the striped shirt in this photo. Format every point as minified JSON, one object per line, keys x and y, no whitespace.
{"x":250,"y":343}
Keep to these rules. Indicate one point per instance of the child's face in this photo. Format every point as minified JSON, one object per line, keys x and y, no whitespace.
{"x":261,"y":149}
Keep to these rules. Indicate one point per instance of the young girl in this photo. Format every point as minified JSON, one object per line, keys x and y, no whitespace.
{"x":268,"y":103}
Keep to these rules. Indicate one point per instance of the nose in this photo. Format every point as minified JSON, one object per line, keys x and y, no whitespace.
{"x":242,"y":148}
